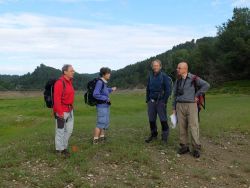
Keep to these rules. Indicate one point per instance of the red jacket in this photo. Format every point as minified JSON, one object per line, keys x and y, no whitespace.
{"x":63,"y":97}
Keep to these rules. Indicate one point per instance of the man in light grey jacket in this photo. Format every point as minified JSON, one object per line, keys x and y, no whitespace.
{"x":186,"y":96}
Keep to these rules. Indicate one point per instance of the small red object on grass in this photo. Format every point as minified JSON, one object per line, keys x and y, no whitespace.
{"x":75,"y":149}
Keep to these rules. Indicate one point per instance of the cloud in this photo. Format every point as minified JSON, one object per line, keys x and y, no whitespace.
{"x":28,"y":40}
{"x":7,"y":1}
{"x":234,"y":3}
{"x":216,"y":3}
{"x":60,"y":1}
{"x":241,"y":3}
{"x":79,"y":1}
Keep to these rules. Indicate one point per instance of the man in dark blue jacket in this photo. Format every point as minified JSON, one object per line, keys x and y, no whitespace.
{"x":158,"y":92}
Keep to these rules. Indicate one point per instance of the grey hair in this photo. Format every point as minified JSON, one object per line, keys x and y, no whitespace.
{"x":65,"y":67}
{"x":156,"y":61}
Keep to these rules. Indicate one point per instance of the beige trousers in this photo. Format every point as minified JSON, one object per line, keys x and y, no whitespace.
{"x":187,"y":115}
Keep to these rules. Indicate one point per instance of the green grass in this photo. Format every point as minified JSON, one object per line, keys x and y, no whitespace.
{"x":27,"y":142}
{"x":232,"y":87}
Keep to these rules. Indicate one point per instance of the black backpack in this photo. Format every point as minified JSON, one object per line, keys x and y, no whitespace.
{"x":88,"y":96}
{"x":49,"y":92}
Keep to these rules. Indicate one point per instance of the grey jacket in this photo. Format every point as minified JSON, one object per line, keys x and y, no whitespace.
{"x":188,"y":87}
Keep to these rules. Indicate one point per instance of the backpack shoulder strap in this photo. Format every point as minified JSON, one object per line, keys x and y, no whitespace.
{"x":169,"y":80}
{"x":150,"y":76}
{"x":64,"y":87}
{"x":102,"y":83}
{"x":171,"y":83}
{"x":162,"y":80}
{"x":163,"y":85}
{"x":194,"y":82}
{"x":194,"y":78}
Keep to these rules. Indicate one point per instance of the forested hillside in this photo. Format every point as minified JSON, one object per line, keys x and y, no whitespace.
{"x":38,"y":79}
{"x":225,"y":57}
{"x":222,"y":58}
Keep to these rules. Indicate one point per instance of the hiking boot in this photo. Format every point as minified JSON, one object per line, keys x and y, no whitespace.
{"x":150,"y":139}
{"x":196,"y":154}
{"x":66,"y":153}
{"x":95,"y":141}
{"x":183,"y":150}
{"x":102,"y":140}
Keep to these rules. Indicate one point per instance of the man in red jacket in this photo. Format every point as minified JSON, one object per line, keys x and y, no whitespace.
{"x":63,"y":109}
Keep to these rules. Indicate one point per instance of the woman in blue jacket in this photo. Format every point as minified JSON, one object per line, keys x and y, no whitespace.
{"x":101,"y":93}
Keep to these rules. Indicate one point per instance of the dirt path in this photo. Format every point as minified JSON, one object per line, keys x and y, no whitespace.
{"x":224,"y":163}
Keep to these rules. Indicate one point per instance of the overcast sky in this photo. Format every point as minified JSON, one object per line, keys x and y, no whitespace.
{"x":90,"y":34}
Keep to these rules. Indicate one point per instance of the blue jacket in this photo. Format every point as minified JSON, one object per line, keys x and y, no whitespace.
{"x":158,"y":87}
{"x":102,"y":92}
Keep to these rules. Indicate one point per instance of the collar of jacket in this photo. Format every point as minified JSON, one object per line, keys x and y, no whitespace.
{"x":189,"y":75}
{"x":156,"y":74}
{"x":66,"y":80}
{"x":105,"y":81}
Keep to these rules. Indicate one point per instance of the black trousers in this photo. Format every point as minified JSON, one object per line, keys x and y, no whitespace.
{"x":160,"y":109}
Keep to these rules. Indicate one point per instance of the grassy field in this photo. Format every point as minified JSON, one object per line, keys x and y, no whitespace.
{"x":27,"y":156}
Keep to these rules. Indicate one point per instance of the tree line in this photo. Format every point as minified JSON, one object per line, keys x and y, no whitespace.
{"x":224,"y":57}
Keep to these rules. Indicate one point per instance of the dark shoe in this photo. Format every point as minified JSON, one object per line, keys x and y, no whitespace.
{"x":58,"y":152}
{"x":66,"y":153}
{"x":183,"y":150}
{"x":196,"y":154}
{"x":102,"y":140}
{"x":150,"y":139}
{"x":95,"y":141}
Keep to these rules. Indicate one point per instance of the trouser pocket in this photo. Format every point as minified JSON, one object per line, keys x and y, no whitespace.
{"x":60,"y":123}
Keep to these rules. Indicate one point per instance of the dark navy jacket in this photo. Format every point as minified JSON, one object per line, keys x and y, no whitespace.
{"x":158,"y":87}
